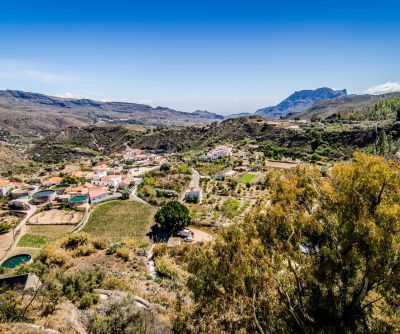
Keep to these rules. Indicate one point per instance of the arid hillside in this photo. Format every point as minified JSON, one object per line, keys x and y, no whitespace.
{"x":37,"y":113}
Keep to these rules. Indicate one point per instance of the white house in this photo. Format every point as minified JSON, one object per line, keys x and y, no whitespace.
{"x":109,"y":181}
{"x":99,"y":175}
{"x":218,"y":152}
{"x":5,"y":187}
{"x":97,"y":195}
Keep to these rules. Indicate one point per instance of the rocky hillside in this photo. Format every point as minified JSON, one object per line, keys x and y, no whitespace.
{"x":38,"y":113}
{"x":279,"y":138}
{"x":300,"y":101}
{"x":351,"y":107}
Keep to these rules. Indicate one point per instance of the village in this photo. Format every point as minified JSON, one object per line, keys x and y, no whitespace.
{"x":115,"y":198}
{"x":218,"y":187}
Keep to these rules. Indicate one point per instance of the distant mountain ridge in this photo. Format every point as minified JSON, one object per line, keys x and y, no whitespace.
{"x":39,"y":113}
{"x":300,"y":101}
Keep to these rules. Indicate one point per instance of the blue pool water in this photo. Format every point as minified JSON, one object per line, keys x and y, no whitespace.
{"x":15,"y":261}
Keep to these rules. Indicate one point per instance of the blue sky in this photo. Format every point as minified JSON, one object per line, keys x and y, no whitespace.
{"x":222,"y":56}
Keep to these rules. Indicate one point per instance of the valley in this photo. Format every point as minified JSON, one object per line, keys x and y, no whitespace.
{"x":124,"y":216}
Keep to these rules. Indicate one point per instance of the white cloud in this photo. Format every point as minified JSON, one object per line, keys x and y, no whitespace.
{"x":69,"y":95}
{"x":17,"y":70}
{"x":93,"y":96}
{"x":142,"y":101}
{"x":388,"y":87}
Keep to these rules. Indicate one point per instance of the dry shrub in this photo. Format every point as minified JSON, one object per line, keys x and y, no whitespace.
{"x":114,"y":283}
{"x":73,"y":241}
{"x":123,"y":253}
{"x":168,"y":268}
{"x":135,"y":242}
{"x":52,"y":255}
{"x":182,"y":249}
{"x":160,"y":250}
{"x":101,"y":243}
{"x":84,"y":250}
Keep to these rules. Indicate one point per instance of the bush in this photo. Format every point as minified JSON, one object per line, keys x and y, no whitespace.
{"x":11,"y":307}
{"x":84,"y":250}
{"x":54,"y":256}
{"x":37,"y":268}
{"x":87,"y":300}
{"x":167,"y":267}
{"x":80,"y":287}
{"x":73,"y":241}
{"x":123,"y":253}
{"x":4,"y":227}
{"x":114,"y":247}
{"x":160,"y":250}
{"x":100,"y":243}
{"x":113,"y":283}
{"x":124,"y":317}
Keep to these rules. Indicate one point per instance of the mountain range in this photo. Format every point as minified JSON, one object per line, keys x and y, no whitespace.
{"x":300,"y":101}
{"x":32,"y":112}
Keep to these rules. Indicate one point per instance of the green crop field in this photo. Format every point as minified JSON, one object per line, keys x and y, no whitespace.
{"x":119,"y":219}
{"x":35,"y":241}
{"x":248,"y":178}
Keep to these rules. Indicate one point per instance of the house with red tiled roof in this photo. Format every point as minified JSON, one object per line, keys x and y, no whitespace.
{"x":5,"y":187}
{"x":53,"y":181}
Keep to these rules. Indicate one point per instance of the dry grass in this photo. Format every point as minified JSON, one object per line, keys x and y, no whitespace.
{"x":53,"y":231}
{"x":56,"y":217}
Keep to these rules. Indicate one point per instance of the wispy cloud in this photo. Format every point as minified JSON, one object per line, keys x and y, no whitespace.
{"x":388,"y":87}
{"x":17,"y":70}
{"x":93,"y":96}
{"x":69,"y":95}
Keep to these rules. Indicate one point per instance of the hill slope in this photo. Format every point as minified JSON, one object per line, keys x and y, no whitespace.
{"x":300,"y":101}
{"x":352,"y":106}
{"x":40,"y":113}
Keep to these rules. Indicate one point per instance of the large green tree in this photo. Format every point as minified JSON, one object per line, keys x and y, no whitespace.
{"x":321,"y":255}
{"x":173,"y":217}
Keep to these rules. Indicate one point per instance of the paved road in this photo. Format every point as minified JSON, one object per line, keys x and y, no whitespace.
{"x":134,"y":197}
{"x":194,"y":183}
{"x":136,"y":172}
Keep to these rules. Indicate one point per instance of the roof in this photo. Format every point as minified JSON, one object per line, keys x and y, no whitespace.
{"x":53,"y":180}
{"x":79,"y":189}
{"x":5,"y":183}
{"x":95,"y":192}
{"x":240,"y":168}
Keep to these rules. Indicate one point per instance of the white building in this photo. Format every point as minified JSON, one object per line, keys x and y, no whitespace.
{"x":218,"y":152}
{"x":5,"y":187}
{"x":97,"y":195}
{"x":99,"y":175}
{"x":109,"y":181}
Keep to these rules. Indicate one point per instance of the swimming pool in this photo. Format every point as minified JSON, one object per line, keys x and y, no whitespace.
{"x":78,"y":199}
{"x":16,"y":260}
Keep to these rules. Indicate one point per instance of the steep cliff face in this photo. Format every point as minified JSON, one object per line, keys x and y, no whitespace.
{"x":300,"y":101}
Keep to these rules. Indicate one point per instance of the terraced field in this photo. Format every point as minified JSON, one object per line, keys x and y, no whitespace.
{"x":119,"y":219}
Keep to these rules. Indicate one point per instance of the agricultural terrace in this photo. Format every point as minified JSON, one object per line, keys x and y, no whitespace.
{"x":38,"y":235}
{"x":248,"y":178}
{"x":56,"y":217}
{"x":160,"y":186}
{"x":117,"y":219}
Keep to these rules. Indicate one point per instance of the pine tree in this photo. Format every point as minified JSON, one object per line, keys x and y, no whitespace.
{"x":382,"y":145}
